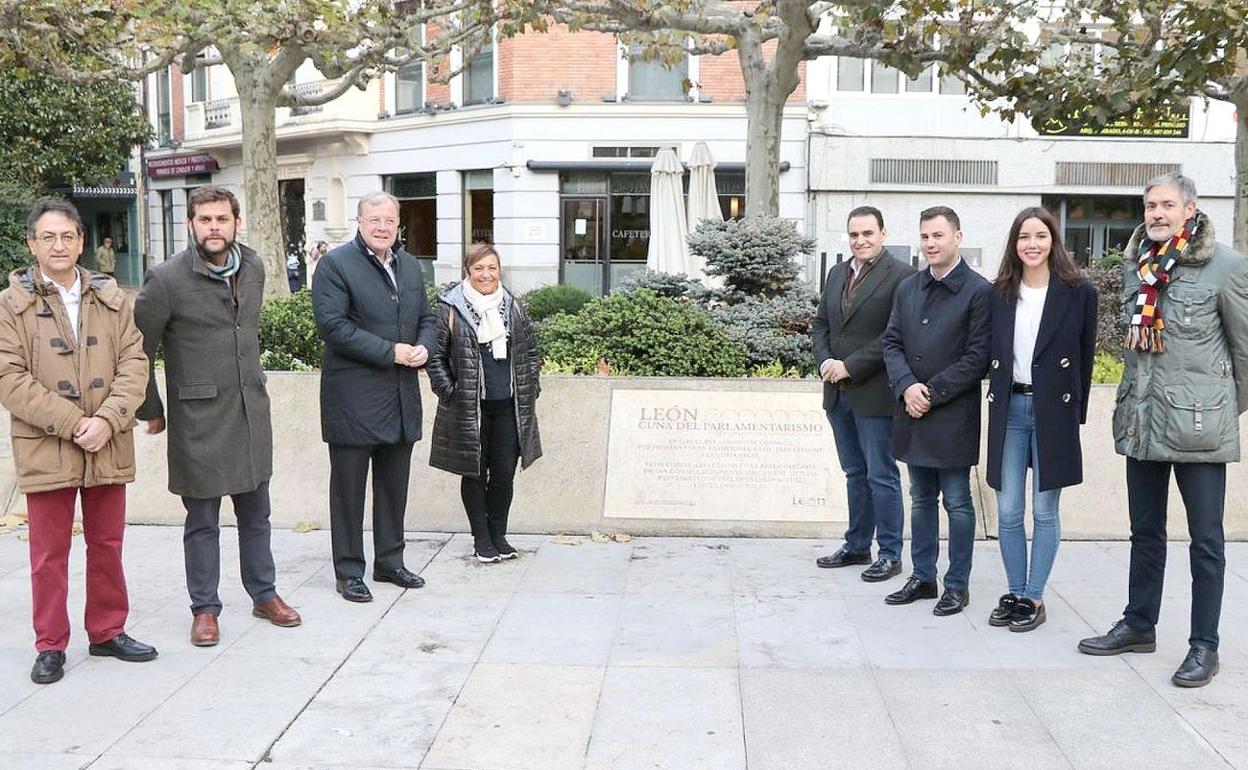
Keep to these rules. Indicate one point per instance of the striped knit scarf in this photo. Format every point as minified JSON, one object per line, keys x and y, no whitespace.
{"x":1157,"y":262}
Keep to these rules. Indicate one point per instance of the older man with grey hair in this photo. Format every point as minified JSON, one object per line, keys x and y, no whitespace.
{"x":371,"y":309}
{"x":1185,"y":303}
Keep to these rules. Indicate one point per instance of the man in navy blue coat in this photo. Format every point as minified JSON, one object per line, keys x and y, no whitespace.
{"x":936,"y":350}
{"x":371,"y":309}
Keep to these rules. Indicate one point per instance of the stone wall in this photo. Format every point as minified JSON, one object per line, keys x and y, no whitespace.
{"x":564,"y":491}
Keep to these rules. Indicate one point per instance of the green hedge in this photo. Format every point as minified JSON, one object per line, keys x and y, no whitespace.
{"x":550,"y":301}
{"x":288,"y":338}
{"x":639,"y":333}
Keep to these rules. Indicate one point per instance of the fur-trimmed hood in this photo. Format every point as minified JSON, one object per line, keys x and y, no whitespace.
{"x":1198,"y":252}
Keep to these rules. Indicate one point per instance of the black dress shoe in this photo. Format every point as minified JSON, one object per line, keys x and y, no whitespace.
{"x":1004,"y":610}
{"x":402,"y":577}
{"x":1198,"y":669}
{"x":913,"y":589}
{"x":123,"y":647}
{"x":49,"y":667}
{"x":1121,"y":638}
{"x":844,"y":557}
{"x":883,"y":569}
{"x":951,"y":602}
{"x":1028,"y":616}
{"x":354,"y":590}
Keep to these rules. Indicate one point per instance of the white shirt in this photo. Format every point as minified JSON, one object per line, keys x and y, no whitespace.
{"x":947,"y":272}
{"x":387,"y":262}
{"x":72,"y":297}
{"x":1027,"y":315}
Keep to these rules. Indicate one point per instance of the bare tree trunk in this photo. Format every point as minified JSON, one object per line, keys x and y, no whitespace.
{"x":1241,"y":175}
{"x":764,"y":114}
{"x":263,"y":209}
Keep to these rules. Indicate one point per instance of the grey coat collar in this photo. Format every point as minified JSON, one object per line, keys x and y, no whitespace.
{"x":454,"y":297}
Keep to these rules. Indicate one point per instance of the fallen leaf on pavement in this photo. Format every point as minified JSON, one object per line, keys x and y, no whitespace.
{"x":76,"y":529}
{"x":12,"y":521}
{"x":307,"y":526}
{"x":622,"y":537}
{"x":567,"y":540}
{"x":599,"y":537}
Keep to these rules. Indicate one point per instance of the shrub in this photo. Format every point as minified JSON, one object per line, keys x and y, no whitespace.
{"x":548,"y":301}
{"x":754,"y":256}
{"x":288,"y":338}
{"x":1110,"y":331}
{"x":775,"y":329}
{"x":1107,"y":369}
{"x":15,"y":201}
{"x":675,"y":286}
{"x":433,"y":291}
{"x":640,"y":333}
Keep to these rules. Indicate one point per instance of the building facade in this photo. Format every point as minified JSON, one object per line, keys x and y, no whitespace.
{"x":878,"y":137}
{"x":542,"y":146}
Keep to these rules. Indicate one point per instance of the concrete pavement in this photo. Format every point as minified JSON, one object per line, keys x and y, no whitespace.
{"x":660,"y":653}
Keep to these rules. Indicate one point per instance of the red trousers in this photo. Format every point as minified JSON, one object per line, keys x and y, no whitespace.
{"x":51,"y":522}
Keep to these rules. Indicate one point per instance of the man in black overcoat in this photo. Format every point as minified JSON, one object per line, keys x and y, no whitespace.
{"x":371,"y":310}
{"x":936,"y":350}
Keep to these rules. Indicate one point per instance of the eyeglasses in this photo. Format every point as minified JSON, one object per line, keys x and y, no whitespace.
{"x":49,"y":239}
{"x":378,"y":221}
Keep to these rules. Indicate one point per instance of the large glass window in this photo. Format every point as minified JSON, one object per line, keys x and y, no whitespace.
{"x":949,"y":84}
{"x":883,"y":78}
{"x":164,"y":113}
{"x":848,"y":74}
{"x":418,"y":212}
{"x":654,"y":81}
{"x":478,"y":207}
{"x":479,"y":77}
{"x":1094,"y":225}
{"x":922,"y":84}
{"x":409,"y":88}
{"x":199,"y":84}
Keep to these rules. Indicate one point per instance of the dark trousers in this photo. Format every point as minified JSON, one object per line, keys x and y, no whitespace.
{"x":348,"y":473}
{"x":201,"y":546}
{"x":50,"y":521}
{"x":1203,"y":487}
{"x":953,"y":485}
{"x":864,"y":446}
{"x":489,"y":494}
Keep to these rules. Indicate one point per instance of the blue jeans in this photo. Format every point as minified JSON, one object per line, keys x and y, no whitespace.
{"x":927,"y":485}
{"x":872,"y":482}
{"x":1017,"y":453}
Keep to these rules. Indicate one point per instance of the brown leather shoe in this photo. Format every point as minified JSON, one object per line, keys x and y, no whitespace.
{"x":277,"y":612}
{"x":204,"y":630}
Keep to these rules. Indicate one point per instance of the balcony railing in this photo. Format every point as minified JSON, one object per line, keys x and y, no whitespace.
{"x":221,"y":118}
{"x":219,"y":113}
{"x":315,"y":88}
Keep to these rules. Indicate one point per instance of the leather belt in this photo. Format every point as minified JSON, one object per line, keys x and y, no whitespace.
{"x":1020,"y":387}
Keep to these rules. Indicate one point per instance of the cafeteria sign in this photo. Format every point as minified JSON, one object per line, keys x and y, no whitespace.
{"x":1173,"y":124}
{"x":181,"y":165}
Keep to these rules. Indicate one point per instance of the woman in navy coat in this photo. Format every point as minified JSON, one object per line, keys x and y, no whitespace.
{"x":1040,"y":375}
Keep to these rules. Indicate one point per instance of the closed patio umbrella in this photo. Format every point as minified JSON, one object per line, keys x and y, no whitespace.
{"x":703,"y":202}
{"x":669,"y":253}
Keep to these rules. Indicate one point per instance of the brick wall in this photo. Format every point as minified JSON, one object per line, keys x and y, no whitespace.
{"x":176,"y":102}
{"x":720,"y":77}
{"x":533,"y":67}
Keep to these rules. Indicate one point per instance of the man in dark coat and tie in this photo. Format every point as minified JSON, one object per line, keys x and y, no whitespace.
{"x":846,"y":337}
{"x":936,"y":349}
{"x":371,"y":310}
{"x":203,"y":308}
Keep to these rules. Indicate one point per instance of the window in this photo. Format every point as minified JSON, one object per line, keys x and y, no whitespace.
{"x":922,"y":84}
{"x":883,"y":78}
{"x":641,"y":151}
{"x":654,"y":81}
{"x":166,"y":222}
{"x":478,"y":207}
{"x":199,"y":84}
{"x":418,"y":212}
{"x":164,"y":115}
{"x":950,"y":84}
{"x":849,"y":74}
{"x":479,"y":77}
{"x":409,"y":88}
{"x":731,"y":189}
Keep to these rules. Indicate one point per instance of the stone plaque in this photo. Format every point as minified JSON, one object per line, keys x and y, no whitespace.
{"x":725,"y":455}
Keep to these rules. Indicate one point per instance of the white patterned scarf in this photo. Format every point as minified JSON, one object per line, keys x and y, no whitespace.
{"x":491,"y":328}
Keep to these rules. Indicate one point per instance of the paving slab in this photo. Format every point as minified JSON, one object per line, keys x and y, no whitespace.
{"x":675,"y":630}
{"x":668,"y":718}
{"x":519,"y":717}
{"x":797,"y":632}
{"x":374,"y":713}
{"x":561,"y":629}
{"x":817,"y":718}
{"x":25,"y":760}
{"x":584,"y":568}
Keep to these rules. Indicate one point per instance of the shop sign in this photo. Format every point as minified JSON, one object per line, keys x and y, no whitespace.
{"x":181,"y":165}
